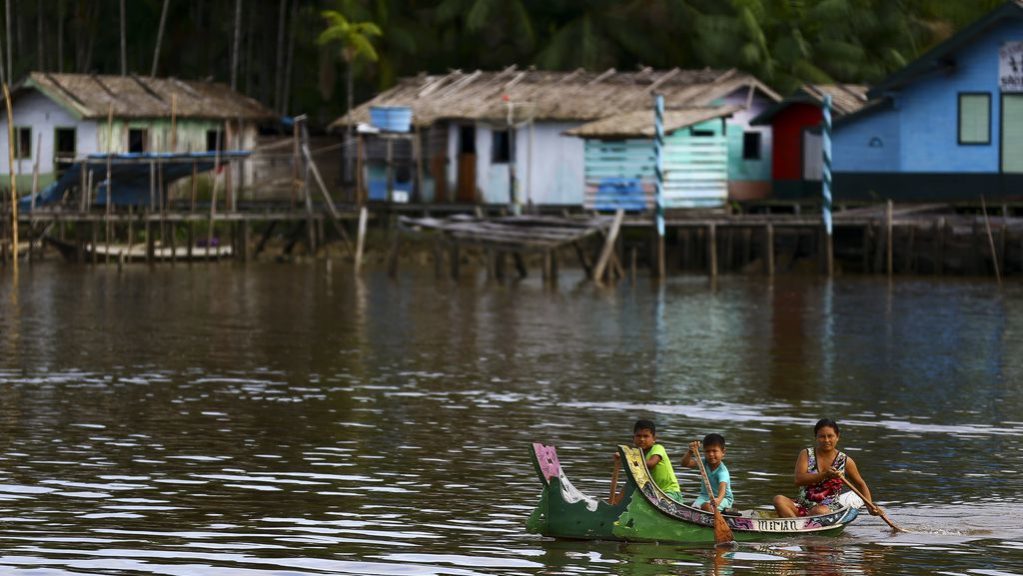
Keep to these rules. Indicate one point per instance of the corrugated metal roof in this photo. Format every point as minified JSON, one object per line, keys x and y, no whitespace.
{"x":578,"y":96}
{"x":640,"y":123}
{"x":93,"y":95}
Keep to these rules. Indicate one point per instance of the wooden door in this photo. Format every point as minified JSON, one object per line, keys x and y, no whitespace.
{"x":466,"y":191}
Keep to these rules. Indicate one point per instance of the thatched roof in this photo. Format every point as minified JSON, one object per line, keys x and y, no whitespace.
{"x":845,"y":99}
{"x":92,"y":96}
{"x":577,"y":96}
{"x":640,"y":123}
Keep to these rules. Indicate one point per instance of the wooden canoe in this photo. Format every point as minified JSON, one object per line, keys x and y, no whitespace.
{"x":646,"y":514}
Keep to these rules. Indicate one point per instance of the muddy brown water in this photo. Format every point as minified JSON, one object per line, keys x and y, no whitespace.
{"x":291,"y":420}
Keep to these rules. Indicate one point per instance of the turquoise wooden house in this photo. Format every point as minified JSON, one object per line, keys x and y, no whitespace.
{"x":619,"y":159}
{"x":947,"y":127}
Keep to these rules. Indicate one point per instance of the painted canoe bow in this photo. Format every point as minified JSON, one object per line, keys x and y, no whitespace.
{"x":645,"y":513}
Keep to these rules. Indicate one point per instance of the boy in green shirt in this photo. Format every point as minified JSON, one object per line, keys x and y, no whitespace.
{"x":644,"y":437}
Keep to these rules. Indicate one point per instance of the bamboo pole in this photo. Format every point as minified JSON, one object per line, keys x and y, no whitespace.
{"x":14,"y":182}
{"x":35,"y":176}
{"x":174,"y":123}
{"x":213,"y":197}
{"x":110,"y":153}
{"x":991,"y":240}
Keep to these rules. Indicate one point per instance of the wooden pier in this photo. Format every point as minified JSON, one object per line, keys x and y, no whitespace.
{"x":882,"y":238}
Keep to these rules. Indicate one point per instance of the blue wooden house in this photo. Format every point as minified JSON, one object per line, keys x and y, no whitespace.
{"x":947,"y":127}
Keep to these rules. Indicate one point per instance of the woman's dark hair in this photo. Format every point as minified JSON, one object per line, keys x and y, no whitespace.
{"x":825,"y":422}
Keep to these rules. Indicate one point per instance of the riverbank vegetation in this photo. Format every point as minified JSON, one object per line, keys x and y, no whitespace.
{"x":269,"y":50}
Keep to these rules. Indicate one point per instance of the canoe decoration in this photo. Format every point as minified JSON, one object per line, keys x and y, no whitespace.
{"x":646,"y":513}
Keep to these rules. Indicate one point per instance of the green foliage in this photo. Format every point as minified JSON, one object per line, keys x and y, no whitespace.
{"x":784,"y":42}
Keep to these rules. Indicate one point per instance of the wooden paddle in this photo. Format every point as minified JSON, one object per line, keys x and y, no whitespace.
{"x":722,"y":533}
{"x":880,"y":512}
{"x":612,"y":499}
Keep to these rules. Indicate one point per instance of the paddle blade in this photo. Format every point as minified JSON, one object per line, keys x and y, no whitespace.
{"x":722,"y":533}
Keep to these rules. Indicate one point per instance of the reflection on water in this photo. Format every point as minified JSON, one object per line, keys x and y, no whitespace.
{"x":291,"y":419}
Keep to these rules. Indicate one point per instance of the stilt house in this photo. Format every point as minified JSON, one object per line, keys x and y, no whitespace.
{"x":502,"y":137}
{"x":59,"y":118}
{"x":796,"y":132}
{"x":947,"y":127}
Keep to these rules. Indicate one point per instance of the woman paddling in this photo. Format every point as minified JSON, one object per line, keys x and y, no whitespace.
{"x":819,"y":474}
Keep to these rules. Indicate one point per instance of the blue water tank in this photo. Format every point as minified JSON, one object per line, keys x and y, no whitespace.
{"x":391,"y":118}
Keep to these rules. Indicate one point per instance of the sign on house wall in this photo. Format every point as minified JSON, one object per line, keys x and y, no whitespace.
{"x":1010,"y":67}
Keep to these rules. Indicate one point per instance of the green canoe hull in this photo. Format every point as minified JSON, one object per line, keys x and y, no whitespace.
{"x":645,"y":514}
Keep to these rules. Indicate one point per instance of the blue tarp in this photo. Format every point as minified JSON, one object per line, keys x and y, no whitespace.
{"x":130,"y":174}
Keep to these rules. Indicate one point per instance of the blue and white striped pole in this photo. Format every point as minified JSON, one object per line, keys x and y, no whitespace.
{"x":659,"y":162}
{"x":826,"y":166}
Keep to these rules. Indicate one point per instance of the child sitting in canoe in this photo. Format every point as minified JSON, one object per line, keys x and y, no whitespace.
{"x":717,"y":472}
{"x":644,"y":437}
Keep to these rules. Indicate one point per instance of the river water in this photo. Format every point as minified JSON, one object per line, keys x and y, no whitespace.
{"x":292,"y":420}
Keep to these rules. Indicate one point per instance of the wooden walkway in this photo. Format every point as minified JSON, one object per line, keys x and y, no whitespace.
{"x":510,"y":235}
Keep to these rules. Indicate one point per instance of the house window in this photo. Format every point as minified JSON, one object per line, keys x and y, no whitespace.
{"x":974,"y":118}
{"x":701,"y":133}
{"x":751,"y":146}
{"x":65,"y":144}
{"x":214,"y":140}
{"x":138,"y":140}
{"x":23,"y":142}
{"x":500,"y":150}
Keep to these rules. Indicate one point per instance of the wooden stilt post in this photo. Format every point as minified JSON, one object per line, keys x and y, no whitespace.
{"x":609,"y":246}
{"x":95,"y":242}
{"x":865,"y":244}
{"x":361,"y":239}
{"x":584,"y":260}
{"x":712,"y":250}
{"x":769,"y":248}
{"x":991,"y":241}
{"x":393,"y":256}
{"x":131,"y":232}
{"x":150,"y":240}
{"x":243,"y":242}
{"x":939,"y":246}
{"x":889,"y":239}
{"x":172,"y":232}
{"x":520,"y":265}
{"x":632,"y":261}
{"x":909,"y":263}
{"x":729,"y":234}
{"x":455,"y":257}
{"x":190,"y":251}
{"x":499,"y":265}
{"x":438,"y":256}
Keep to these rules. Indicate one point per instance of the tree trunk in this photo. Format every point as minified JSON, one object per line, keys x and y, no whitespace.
{"x":40,"y":59}
{"x":60,"y":36}
{"x":159,"y":39}
{"x":10,"y":60}
{"x":237,"y":43}
{"x":279,"y":70}
{"x":124,"y":41}
{"x":291,"y":58}
{"x":349,"y":141}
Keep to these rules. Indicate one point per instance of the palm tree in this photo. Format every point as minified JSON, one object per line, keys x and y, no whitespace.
{"x":355,"y":40}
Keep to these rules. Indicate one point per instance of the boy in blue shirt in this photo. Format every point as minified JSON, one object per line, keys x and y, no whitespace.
{"x":717,"y":472}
